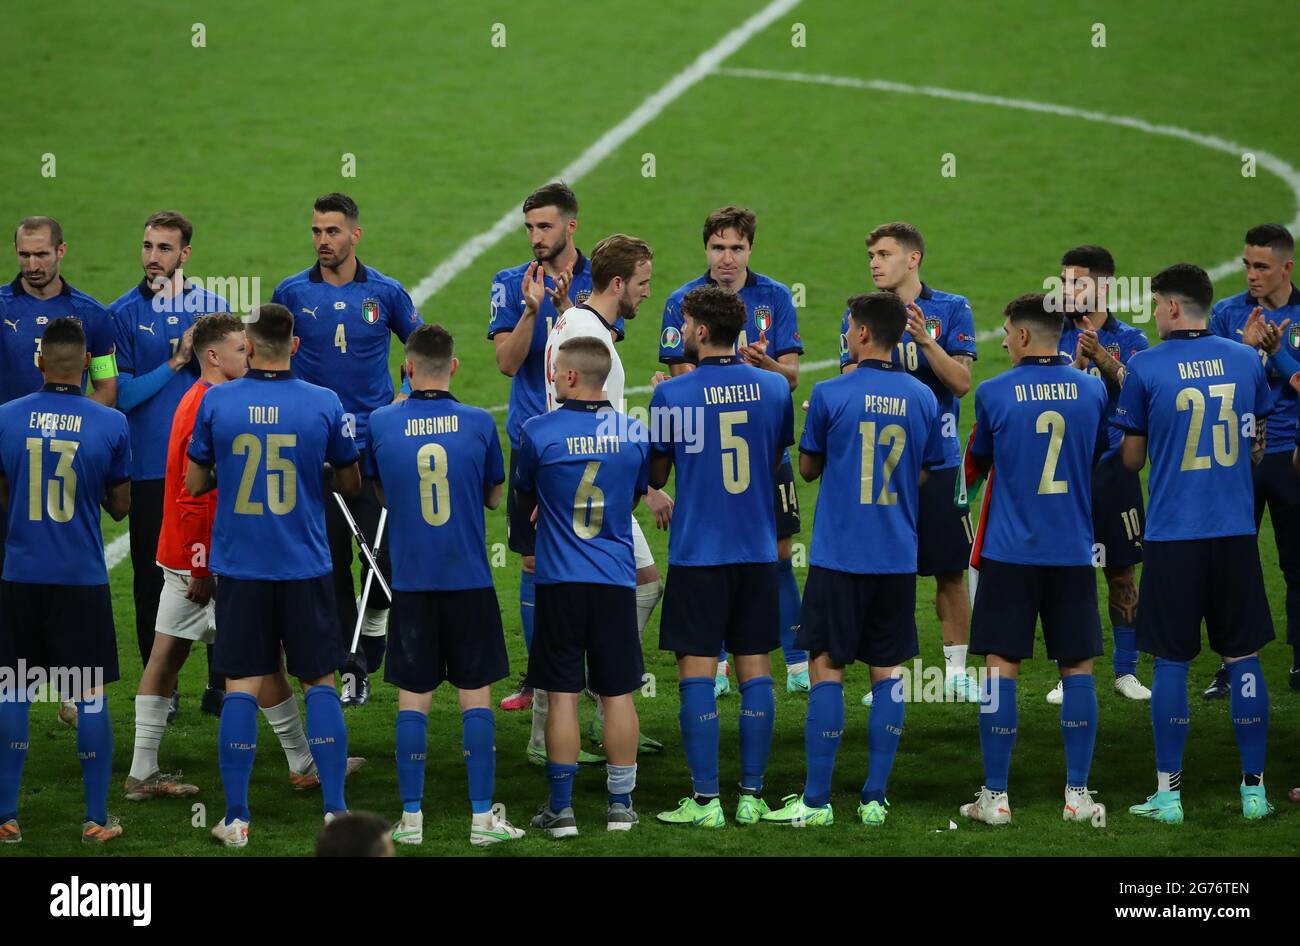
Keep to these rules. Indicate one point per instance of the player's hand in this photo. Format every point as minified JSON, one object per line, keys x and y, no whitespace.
{"x":560,"y":294}
{"x":1089,"y":342}
{"x":756,"y":355}
{"x":1080,"y":357}
{"x":1275,"y":335}
{"x":533,"y":288}
{"x":661,"y":504}
{"x":184,"y":350}
{"x":201,"y":590}
{"x":1255,"y":329}
{"x":657,"y":378}
{"x":805,"y":406}
{"x":916,"y":326}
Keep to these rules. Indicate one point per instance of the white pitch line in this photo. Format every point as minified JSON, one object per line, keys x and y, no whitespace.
{"x":1270,"y":162}
{"x":117,"y":551}
{"x":602,"y":147}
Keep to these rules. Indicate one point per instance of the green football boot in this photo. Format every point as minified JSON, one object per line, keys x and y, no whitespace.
{"x":1254,"y":805}
{"x":796,"y":814}
{"x":537,"y":756}
{"x":690,"y":812}
{"x":1165,"y":807}
{"x":873,"y":813}
{"x":750,"y":809}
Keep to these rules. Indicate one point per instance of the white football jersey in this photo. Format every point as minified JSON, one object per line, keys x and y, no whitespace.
{"x":575,"y":323}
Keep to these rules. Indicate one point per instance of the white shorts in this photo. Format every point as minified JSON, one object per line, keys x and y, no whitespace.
{"x":178,"y":616}
{"x":640,"y":547}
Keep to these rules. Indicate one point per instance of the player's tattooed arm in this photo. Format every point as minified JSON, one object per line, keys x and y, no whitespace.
{"x":199,"y":478}
{"x":344,"y":480}
{"x":117,"y":500}
{"x":661,"y":464}
{"x":1090,"y":348}
{"x":811,"y":465}
{"x":1133,"y":452}
{"x":952,"y":370}
{"x":1259,"y":443}
{"x":1123,"y":597}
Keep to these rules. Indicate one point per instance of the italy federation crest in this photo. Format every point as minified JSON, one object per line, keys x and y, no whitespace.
{"x":763,"y":319}
{"x":370,"y":311}
{"x":1293,"y":336}
{"x":932,"y":328}
{"x":1114,"y":351}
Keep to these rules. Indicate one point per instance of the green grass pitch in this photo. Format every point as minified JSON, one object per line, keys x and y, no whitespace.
{"x":449,"y":131}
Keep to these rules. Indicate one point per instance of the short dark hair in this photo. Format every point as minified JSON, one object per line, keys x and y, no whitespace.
{"x":589,"y":357}
{"x":210,"y":329}
{"x":354,"y":834}
{"x":338,"y":203}
{"x":741,"y":219}
{"x":1095,"y":259}
{"x":32,"y":224}
{"x":1188,"y":283}
{"x":63,"y":345}
{"x":883,"y":313}
{"x":617,"y":255}
{"x":270,"y":326}
{"x":1273,"y":235}
{"x":908,"y":237}
{"x":720,"y":310}
{"x":431,"y":348}
{"x":556,"y":194}
{"x":172,"y":220}
{"x":1034,"y":311}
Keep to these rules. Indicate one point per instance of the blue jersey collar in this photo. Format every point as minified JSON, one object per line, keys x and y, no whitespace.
{"x":926,"y":292}
{"x":263,"y":374}
{"x":751,"y":279}
{"x":315,"y":276}
{"x":573,"y":404}
{"x":878,"y":363}
{"x":1043,"y":360}
{"x":429,"y":394}
{"x":1189,"y":333}
{"x":17,"y":286}
{"x":147,"y":291}
{"x":50,"y":388}
{"x":720,"y":360}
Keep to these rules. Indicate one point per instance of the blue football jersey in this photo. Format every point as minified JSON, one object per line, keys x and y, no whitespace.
{"x":24,"y":320}
{"x":1196,"y":398}
{"x":875,"y":428}
{"x":950,"y":322}
{"x":1121,"y":342}
{"x":528,"y":386}
{"x":344,"y":332}
{"x":269,"y":436}
{"x":1228,"y":320}
{"x":586,"y":464}
{"x":435,"y":458}
{"x":148,"y":329}
{"x":726,"y":425}
{"x":769,"y":315}
{"x":1043,"y":424}
{"x":60,"y":451}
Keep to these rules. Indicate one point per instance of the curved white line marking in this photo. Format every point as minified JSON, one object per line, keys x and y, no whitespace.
{"x":1269,"y":162}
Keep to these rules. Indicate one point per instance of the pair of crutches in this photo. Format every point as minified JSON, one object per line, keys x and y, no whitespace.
{"x":372,"y":560}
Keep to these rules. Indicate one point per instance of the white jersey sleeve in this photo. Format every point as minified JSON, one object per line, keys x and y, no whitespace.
{"x":577,"y":322}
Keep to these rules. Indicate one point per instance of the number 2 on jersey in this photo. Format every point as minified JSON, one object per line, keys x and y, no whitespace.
{"x":1052,"y":424}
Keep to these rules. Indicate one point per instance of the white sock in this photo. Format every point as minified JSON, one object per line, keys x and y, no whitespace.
{"x":286,"y":722}
{"x":374,"y":622}
{"x":954,"y":660}
{"x":541,"y":710}
{"x":647,"y":596}
{"x":150,"y":724}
